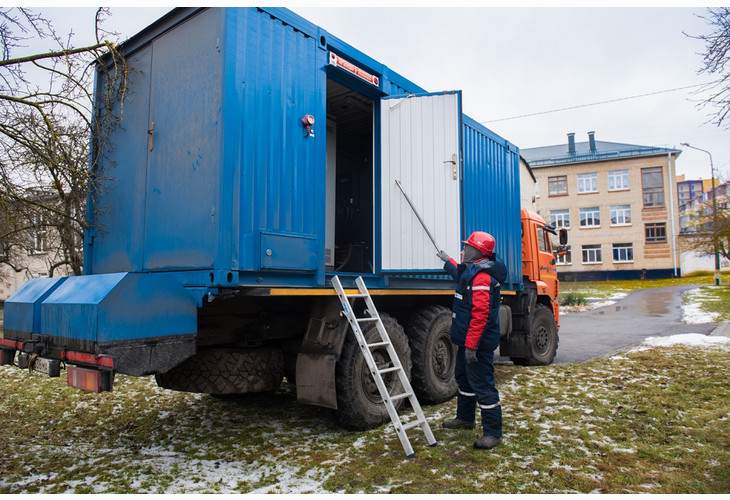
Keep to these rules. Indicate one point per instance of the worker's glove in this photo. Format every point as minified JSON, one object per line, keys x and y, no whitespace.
{"x":443,"y":256}
{"x":471,"y":356}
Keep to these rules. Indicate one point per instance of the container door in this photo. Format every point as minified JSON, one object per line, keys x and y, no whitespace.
{"x":420,"y":148}
{"x":184,"y":164}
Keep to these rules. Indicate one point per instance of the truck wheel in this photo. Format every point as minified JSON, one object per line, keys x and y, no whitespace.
{"x":226,"y":371}
{"x":544,"y":343}
{"x":433,"y":354}
{"x":359,"y":405}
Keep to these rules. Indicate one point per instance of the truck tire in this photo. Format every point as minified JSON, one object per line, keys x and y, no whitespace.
{"x":544,"y":339}
{"x":359,"y":405}
{"x":226,"y":371}
{"x":433,"y":355}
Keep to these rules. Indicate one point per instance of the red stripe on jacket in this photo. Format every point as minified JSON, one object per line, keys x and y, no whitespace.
{"x":481,"y":294}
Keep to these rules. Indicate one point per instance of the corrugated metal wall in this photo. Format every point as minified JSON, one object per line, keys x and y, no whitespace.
{"x":282,"y":190}
{"x":491,"y":196}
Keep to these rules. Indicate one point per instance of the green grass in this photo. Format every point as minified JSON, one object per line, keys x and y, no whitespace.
{"x":652,"y":421}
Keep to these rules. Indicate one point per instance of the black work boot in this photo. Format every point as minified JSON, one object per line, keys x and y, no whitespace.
{"x":487,"y":442}
{"x":457,"y":423}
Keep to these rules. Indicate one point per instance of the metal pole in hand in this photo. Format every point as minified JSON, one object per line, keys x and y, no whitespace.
{"x":417,"y":215}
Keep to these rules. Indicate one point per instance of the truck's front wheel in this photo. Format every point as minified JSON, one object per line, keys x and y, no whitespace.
{"x":359,"y":405}
{"x":544,"y":339}
{"x":433,"y":354}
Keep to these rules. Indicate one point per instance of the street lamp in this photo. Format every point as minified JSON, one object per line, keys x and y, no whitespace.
{"x":714,"y":211}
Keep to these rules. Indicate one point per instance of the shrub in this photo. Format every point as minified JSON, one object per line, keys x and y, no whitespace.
{"x":573,"y":299}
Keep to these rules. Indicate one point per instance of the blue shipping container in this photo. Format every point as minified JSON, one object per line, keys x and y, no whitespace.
{"x":215,"y":177}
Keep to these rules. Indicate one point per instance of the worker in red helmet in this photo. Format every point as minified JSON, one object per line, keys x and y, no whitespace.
{"x":475,"y":330}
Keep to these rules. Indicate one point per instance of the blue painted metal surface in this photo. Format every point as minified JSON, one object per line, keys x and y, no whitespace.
{"x":491,"y":194}
{"x":23,"y":310}
{"x":117,"y":307}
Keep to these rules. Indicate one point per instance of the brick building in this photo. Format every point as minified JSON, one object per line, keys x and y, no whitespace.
{"x":617,"y":200}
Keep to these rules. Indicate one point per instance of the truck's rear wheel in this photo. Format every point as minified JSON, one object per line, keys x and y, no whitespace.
{"x":544,"y":339}
{"x":433,"y":354}
{"x":226,"y":371}
{"x":359,"y":405}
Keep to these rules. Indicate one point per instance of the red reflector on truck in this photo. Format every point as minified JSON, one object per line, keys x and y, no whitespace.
{"x":88,"y":380}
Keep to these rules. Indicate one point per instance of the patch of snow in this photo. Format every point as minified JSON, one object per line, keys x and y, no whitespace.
{"x":689,"y":339}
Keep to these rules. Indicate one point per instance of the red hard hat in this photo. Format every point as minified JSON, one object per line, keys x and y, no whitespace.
{"x":484,"y":242}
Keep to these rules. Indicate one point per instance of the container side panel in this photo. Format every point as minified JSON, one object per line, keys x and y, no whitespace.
{"x":119,"y":198}
{"x":184,"y":170}
{"x":420,"y":140}
{"x":283,"y":169}
{"x":492,"y":195}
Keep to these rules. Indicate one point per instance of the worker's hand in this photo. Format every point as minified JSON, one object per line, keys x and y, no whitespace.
{"x":443,"y":256}
{"x":471,"y":356}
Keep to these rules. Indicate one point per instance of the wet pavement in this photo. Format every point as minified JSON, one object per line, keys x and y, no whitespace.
{"x":644,"y":313}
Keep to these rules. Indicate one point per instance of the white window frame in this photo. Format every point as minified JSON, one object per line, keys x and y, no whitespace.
{"x":560,"y":218}
{"x":618,"y":180}
{"x":39,"y":236}
{"x":625,"y":252}
{"x":566,"y":259}
{"x":592,"y":215}
{"x":622,"y":215}
{"x":591,"y":254}
{"x":588,"y":183}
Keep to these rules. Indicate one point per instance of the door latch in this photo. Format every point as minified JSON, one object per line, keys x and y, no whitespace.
{"x":454,"y":165}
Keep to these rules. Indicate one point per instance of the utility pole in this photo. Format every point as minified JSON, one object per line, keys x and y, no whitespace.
{"x":718,"y":276}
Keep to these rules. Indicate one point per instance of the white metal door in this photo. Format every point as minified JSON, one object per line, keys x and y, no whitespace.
{"x":420,"y":148}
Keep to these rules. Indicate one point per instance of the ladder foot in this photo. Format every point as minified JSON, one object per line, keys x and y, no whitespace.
{"x":433,"y":445}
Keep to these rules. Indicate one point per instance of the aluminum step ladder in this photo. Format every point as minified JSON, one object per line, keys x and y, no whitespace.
{"x":346,"y":301}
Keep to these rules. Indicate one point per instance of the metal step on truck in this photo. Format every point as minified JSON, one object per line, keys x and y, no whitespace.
{"x":257,"y":159}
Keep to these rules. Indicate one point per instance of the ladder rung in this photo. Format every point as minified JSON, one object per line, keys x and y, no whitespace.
{"x":401,"y":396}
{"x":378,"y":344}
{"x":389,"y":370}
{"x":355,"y":295}
{"x":411,"y":425}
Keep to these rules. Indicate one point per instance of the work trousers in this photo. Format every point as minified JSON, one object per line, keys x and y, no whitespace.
{"x":476,"y":386}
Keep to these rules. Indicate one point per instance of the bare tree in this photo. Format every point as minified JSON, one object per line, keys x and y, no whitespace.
{"x":50,"y":127}
{"x":716,"y":61}
{"x":713,"y":232}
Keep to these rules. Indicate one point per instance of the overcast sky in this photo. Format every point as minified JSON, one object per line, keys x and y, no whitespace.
{"x":511,"y":62}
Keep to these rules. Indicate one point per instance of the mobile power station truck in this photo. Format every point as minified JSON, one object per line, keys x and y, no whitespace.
{"x":259,"y":156}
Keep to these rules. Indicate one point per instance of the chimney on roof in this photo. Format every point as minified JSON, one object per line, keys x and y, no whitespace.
{"x":571,"y":143}
{"x":592,"y":141}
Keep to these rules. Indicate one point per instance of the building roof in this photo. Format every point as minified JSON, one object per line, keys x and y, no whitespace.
{"x":548,"y":156}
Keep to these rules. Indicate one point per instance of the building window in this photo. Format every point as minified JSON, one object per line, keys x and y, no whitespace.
{"x":623,"y":252}
{"x":566,"y":258}
{"x":656,"y":233}
{"x":652,"y":185}
{"x":588,"y":183}
{"x":592,"y":254}
{"x":621,"y":215}
{"x":560,"y":218}
{"x":558,"y":185}
{"x":38,"y":236}
{"x":590,"y":217}
{"x":618,"y":180}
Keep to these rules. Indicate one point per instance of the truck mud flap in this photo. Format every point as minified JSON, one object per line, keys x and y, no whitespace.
{"x":146,"y":322}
